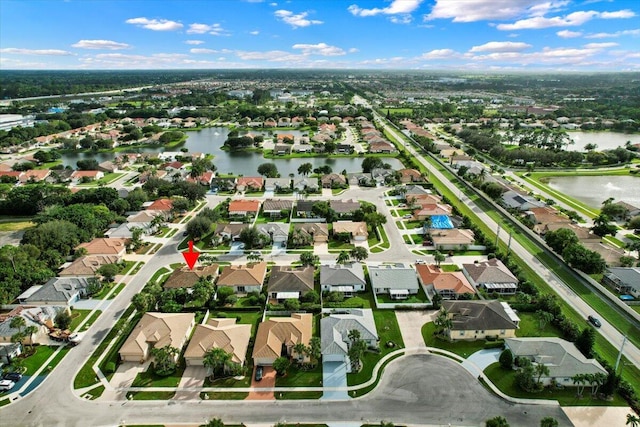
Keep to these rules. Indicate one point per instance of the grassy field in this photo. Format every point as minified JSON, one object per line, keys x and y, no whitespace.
{"x":77,"y":316}
{"x":150,"y":379}
{"x":15,"y":224}
{"x":299,"y":378}
{"x":37,"y":359}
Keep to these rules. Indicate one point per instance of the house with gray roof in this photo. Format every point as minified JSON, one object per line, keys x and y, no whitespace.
{"x":416,"y":190}
{"x":42,"y":317}
{"x":126,"y":229}
{"x":60,"y":291}
{"x":275,"y":184}
{"x":522,"y":202}
{"x":304,"y":208}
{"x":278,"y":232}
{"x":359,"y":178}
{"x":229,"y":231}
{"x":305,"y":183}
{"x":275,"y":207}
{"x":334,"y":334}
{"x":344,"y":278}
{"x":318,"y":231}
{"x":491,"y":275}
{"x":561,"y":357}
{"x":289,"y":282}
{"x":397,"y":280}
{"x":382,"y":175}
{"x":344,"y":207}
{"x":477,"y":320}
{"x":623,"y":279}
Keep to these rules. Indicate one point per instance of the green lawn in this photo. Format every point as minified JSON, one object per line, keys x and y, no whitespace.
{"x":449,"y":267}
{"x":461,"y":348}
{"x":150,"y":379}
{"x":296,"y":395}
{"x":91,"y":320}
{"x":299,"y":378}
{"x":505,"y":381}
{"x":152,"y":395}
{"x":96,"y":392}
{"x":37,"y":359}
{"x":246,"y":317}
{"x":529,"y":326}
{"x":107,"y":179}
{"x":335,"y":244}
{"x":217,"y":395}
{"x":420,"y":297}
{"x":15,"y":225}
{"x":77,"y":316}
{"x":157,"y":274}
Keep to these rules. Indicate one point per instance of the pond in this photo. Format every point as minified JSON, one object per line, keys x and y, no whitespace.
{"x":604,"y":140}
{"x":210,"y":141}
{"x":593,"y":190}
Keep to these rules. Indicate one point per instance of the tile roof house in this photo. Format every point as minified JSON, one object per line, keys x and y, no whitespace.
{"x":412,"y":190}
{"x":447,"y":284}
{"x":631,"y":209}
{"x":546,"y":215}
{"x":491,"y":275}
{"x":106,"y":246}
{"x":160,"y":205}
{"x":410,"y":175}
{"x":243,"y":278}
{"x":335,"y":330}
{"x":289,"y":282}
{"x":319,"y":231}
{"x":274,"y":184}
{"x":610,"y":254}
{"x":454,"y":238}
{"x":278,"y":335}
{"x":344,"y":207}
{"x":185,"y":277}
{"x":623,"y":279}
{"x":431,"y":209}
{"x":35,"y":175}
{"x":244,"y":207}
{"x":275,"y":207}
{"x":356,"y":230}
{"x":78,"y":176}
{"x":360,"y":178}
{"x":398,"y":281}
{"x":345,"y":278}
{"x":514,"y":200}
{"x":382,"y":147}
{"x":278,"y":232}
{"x":41,"y":317}
{"x":333,"y":179}
{"x":88,"y":265}
{"x":304,"y":208}
{"x":223,"y":333}
{"x":249,"y":183}
{"x":60,"y":291}
{"x":475,"y":320}
{"x":561,"y":357}
{"x":229,"y":231}
{"x":126,"y":229}
{"x":156,"y":330}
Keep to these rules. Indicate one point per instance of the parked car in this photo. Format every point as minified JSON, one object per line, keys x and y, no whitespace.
{"x":6,"y":385}
{"x":12,"y":376}
{"x":407,"y":216}
{"x":594,"y":321}
{"x":420,"y":261}
{"x":259,"y":373}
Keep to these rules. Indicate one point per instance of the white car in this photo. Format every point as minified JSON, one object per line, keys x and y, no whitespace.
{"x":407,"y":216}
{"x":420,"y":261}
{"x":6,"y":385}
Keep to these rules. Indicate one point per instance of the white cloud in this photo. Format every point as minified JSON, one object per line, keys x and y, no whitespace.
{"x":613,"y":35}
{"x":401,"y":19}
{"x":214,"y":29}
{"x":296,"y":20}
{"x":620,"y":14}
{"x":194,"y":42}
{"x":570,"y":20}
{"x":201,"y":50}
{"x":397,"y":7}
{"x":155,"y":24}
{"x":566,"y":34}
{"x":440,"y":54}
{"x":478,"y":10}
{"x":353,"y":50}
{"x":319,"y":49}
{"x":599,"y":45}
{"x":100,"y":44}
{"x":48,"y":52}
{"x":254,"y":32}
{"x":501,"y":47}
{"x":270,"y":55}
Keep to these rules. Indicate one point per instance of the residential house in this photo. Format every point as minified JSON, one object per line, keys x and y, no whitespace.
{"x":333,"y":180}
{"x":277,"y":337}
{"x":156,"y":330}
{"x":522,"y":202}
{"x":106,"y":246}
{"x":144,"y":176}
{"x":230,"y":232}
{"x":304,"y":208}
{"x":417,"y":200}
{"x":275,"y":207}
{"x":88,"y":265}
{"x":80,"y":176}
{"x":161,"y":205}
{"x":278,"y":232}
{"x":610,"y":254}
{"x":243,"y":278}
{"x":410,"y":175}
{"x":543,"y":216}
{"x":108,"y":167}
{"x":9,"y":351}
{"x":344,"y":278}
{"x":477,"y":320}
{"x":360,"y":178}
{"x":344,"y":207}
{"x":249,"y":183}
{"x":204,"y":179}
{"x":344,"y":148}
{"x":126,"y":229}
{"x":631,"y":210}
{"x":623,"y":280}
{"x":276,"y":184}
{"x":318,"y":231}
{"x":491,"y":275}
{"x":452,"y":239}
{"x":223,"y":184}
{"x":430,"y":209}
{"x":447,"y":284}
{"x":224,"y":333}
{"x":382,"y":147}
{"x":42,"y":317}
{"x":186,"y":277}
{"x":289,"y":282}
{"x":60,"y":291}
{"x":335,"y":330}
{"x":306,"y":183}
{"x":563,"y":360}
{"x":34,"y":175}
{"x":356,"y":230}
{"x":281,"y":149}
{"x":382,"y":175}
{"x":398,"y":281}
{"x":414,"y":190}
{"x":244,"y":207}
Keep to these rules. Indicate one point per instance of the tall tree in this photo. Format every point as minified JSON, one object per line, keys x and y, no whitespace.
{"x":359,"y":253}
{"x":216,"y":359}
{"x":305,"y":169}
{"x":343,"y":257}
{"x":164,"y":363}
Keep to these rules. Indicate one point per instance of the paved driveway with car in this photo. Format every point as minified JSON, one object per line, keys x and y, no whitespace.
{"x":268,"y":380}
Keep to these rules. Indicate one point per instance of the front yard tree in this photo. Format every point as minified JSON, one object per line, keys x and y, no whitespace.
{"x":343,"y":257}
{"x":634,"y":223}
{"x":198,"y":227}
{"x":143,"y":302}
{"x":308,"y":259}
{"x":315,"y":350}
{"x":18,"y":323}
{"x":544,"y":317}
{"x":438,"y":257}
{"x":506,"y":359}
{"x":281,"y":365}
{"x":300,"y":238}
{"x":359,"y":253}
{"x":442,"y":321}
{"x":548,"y":422}
{"x":216,"y":359}
{"x":108,"y":271}
{"x":602,"y":227}
{"x":559,"y":239}
{"x":356,"y":350}
{"x":305,"y":169}
{"x":586,"y":341}
{"x":224,"y":293}
{"x":164,"y":360}
{"x":540,"y":370}
{"x":136,"y":238}
{"x":62,"y":320}
{"x":28,"y":333}
{"x":270,"y":170}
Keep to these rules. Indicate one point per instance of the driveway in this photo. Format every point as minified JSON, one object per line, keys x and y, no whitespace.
{"x":481,"y":359}
{"x":237,"y":248}
{"x":193,"y":376}
{"x":268,"y":380}
{"x":410,"y":323}
{"x":320,"y":248}
{"x":334,"y":374}
{"x":123,"y":377}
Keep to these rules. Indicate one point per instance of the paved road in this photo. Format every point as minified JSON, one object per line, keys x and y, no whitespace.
{"x":418,"y":389}
{"x":607,"y":330}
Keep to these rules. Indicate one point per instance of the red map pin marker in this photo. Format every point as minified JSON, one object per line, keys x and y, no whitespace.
{"x":191,"y":257}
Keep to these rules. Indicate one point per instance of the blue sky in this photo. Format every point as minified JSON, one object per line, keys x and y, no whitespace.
{"x":469,"y":35}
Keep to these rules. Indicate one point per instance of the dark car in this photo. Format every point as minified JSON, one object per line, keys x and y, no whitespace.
{"x":594,"y":321}
{"x":13,"y":376}
{"x":259,"y":372}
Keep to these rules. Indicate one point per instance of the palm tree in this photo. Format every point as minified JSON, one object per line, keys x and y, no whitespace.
{"x":305,"y":169}
{"x":300,"y":349}
{"x":541,"y":370}
{"x":438,"y":257}
{"x":596,"y":381}
{"x":216,"y":359}
{"x":427,"y":226}
{"x":343,"y":257}
{"x":580,"y":380}
{"x":632,"y":421}
{"x":29,"y":331}
{"x":18,"y":323}
{"x":314,"y":350}
{"x":443,"y":321}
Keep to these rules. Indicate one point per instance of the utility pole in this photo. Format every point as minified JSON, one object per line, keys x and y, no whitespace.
{"x":509,"y":244}
{"x":497,"y":236}
{"x":624,"y":340}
